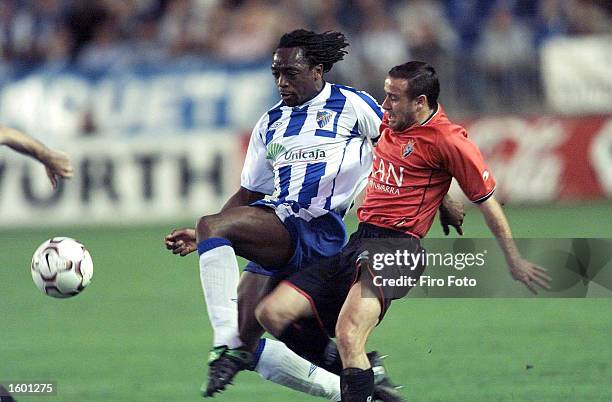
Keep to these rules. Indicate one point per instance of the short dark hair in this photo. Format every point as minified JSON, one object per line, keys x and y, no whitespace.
{"x":422,"y":80}
{"x":325,"y":48}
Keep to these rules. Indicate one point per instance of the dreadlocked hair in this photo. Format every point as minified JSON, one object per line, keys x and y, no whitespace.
{"x":325,"y":48}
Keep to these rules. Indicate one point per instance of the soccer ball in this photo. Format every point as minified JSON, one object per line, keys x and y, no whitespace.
{"x":61,"y":267}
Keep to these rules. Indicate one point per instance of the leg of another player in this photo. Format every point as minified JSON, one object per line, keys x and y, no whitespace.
{"x":282,"y":366}
{"x":288,"y":314}
{"x":274,"y":361}
{"x":251,"y":290}
{"x":358,"y":317}
{"x":282,"y":307}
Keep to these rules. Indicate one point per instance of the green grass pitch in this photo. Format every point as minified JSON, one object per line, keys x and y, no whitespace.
{"x":140,"y":332}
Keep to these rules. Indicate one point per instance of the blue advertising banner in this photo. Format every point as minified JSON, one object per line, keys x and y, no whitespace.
{"x":193,"y":97}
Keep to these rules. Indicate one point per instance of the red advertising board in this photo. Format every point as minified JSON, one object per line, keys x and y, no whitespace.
{"x":542,"y":159}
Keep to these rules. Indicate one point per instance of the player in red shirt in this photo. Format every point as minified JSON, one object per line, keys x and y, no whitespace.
{"x":417,"y":155}
{"x":412,"y":171}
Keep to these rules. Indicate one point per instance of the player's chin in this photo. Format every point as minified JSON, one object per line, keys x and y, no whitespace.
{"x":397,"y":125}
{"x":290,"y":100}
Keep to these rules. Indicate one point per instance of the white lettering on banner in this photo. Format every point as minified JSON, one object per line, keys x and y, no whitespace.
{"x":55,"y":105}
{"x":522,"y":156}
{"x":129,"y":181}
{"x":601,"y":157}
{"x":576,"y":74}
{"x":45,"y":106}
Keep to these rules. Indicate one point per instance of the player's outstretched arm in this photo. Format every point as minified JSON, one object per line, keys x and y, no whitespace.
{"x":451,"y":214}
{"x":57,"y":164}
{"x":183,"y":241}
{"x":522,"y":270}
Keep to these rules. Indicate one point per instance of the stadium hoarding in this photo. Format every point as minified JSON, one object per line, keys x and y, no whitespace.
{"x":546,"y":158}
{"x":576,"y":74}
{"x":194,"y":96}
{"x":168,"y":178}
{"x":132,"y":180}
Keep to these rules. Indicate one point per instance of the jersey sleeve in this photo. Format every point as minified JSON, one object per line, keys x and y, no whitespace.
{"x":465,"y":163}
{"x":369,"y":113}
{"x":257,"y":173}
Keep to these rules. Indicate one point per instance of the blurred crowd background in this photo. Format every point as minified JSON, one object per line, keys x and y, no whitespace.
{"x":155,"y":100}
{"x":485,"y":51}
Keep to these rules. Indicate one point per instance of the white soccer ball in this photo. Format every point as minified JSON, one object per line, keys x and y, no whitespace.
{"x":61,"y":267}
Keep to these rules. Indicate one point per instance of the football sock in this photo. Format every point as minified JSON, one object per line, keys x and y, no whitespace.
{"x":307,"y":339}
{"x":277,"y":363}
{"x":357,"y":385}
{"x":219,"y":277}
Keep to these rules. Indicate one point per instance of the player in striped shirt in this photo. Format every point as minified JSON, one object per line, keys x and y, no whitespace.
{"x":308,"y":157}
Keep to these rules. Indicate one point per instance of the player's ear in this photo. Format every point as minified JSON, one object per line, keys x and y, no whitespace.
{"x":317,"y":72}
{"x":421,"y":102}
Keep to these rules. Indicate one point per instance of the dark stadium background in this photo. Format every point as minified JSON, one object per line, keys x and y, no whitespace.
{"x":153,"y":100}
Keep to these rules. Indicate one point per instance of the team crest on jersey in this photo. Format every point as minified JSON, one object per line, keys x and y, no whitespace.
{"x":408,"y":148}
{"x":323,"y":117}
{"x":274,"y":150}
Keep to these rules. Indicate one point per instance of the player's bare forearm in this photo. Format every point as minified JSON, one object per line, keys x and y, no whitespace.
{"x":241,"y":198}
{"x":531,"y":275}
{"x":446,"y":198}
{"x":57,"y":164}
{"x":22,"y":143}
{"x":451,"y":214}
{"x":498,"y":224}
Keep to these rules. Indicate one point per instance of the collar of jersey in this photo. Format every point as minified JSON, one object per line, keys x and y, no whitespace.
{"x":433,"y":115}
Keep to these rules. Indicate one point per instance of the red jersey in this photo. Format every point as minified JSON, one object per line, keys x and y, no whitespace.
{"x":412,"y":171}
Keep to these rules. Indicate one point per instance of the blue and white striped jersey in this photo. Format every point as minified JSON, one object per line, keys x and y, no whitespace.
{"x":314,"y":157}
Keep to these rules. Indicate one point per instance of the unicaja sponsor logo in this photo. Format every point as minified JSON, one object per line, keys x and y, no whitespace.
{"x":304,"y":154}
{"x":277,"y":151}
{"x":274,"y":151}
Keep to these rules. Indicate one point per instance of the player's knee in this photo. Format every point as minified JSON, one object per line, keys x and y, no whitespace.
{"x":208,"y":226}
{"x":272,"y":317}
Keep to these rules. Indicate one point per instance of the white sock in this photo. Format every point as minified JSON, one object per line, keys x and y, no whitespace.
{"x":219,"y":277}
{"x":282,"y":366}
